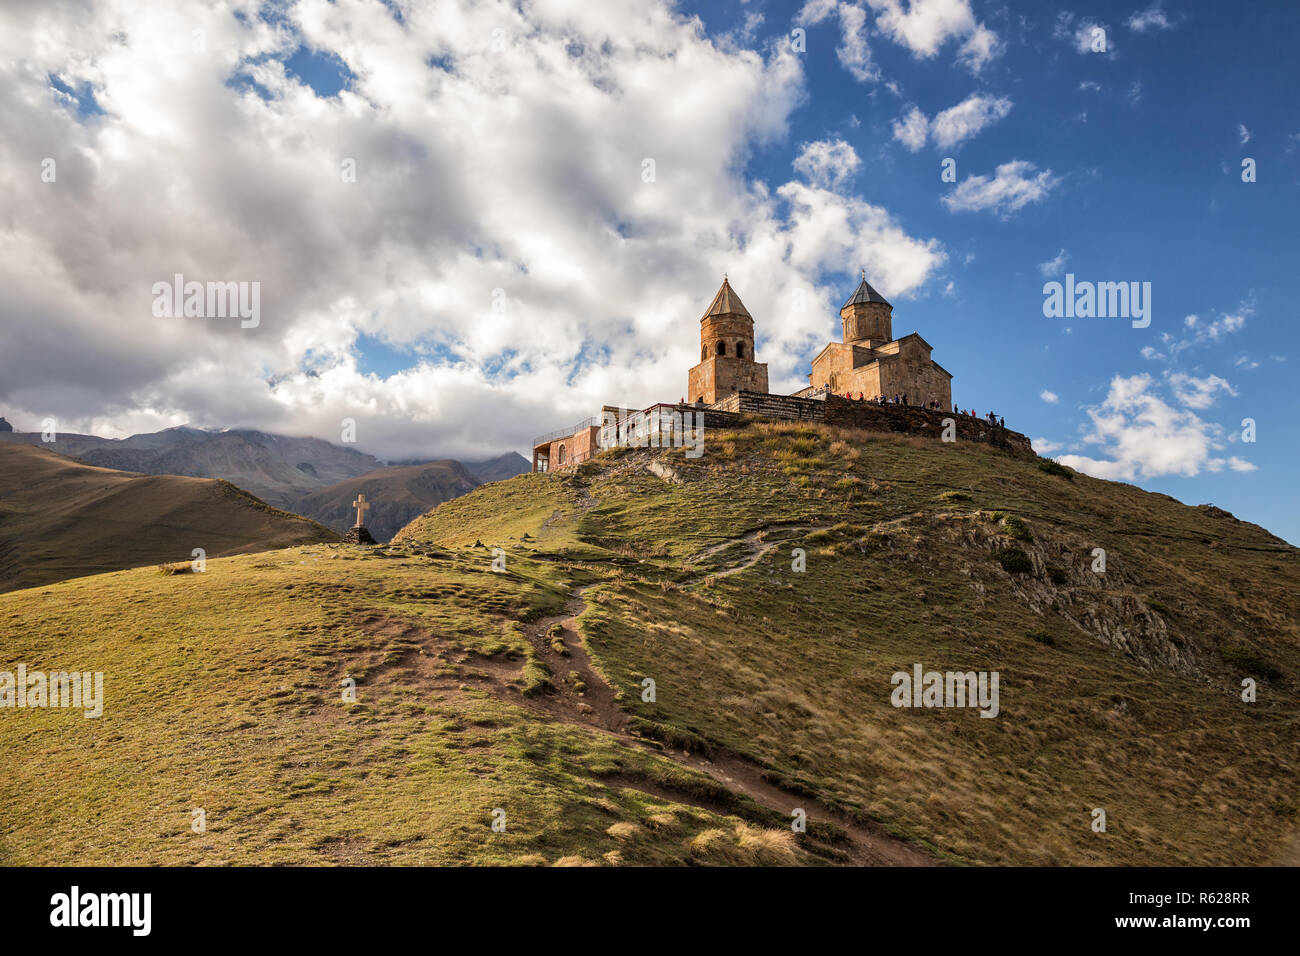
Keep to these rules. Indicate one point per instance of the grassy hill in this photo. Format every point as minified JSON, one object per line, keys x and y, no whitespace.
{"x":522,"y":690}
{"x":60,"y":518}
{"x":397,"y":493}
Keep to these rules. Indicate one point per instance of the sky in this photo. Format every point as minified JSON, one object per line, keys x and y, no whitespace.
{"x":471,"y":223}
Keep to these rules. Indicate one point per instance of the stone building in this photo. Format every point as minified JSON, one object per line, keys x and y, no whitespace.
{"x":726,"y":352}
{"x":729,"y":382}
{"x":872,"y":362}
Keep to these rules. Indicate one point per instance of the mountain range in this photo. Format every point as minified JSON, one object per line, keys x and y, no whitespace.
{"x":307,"y":476}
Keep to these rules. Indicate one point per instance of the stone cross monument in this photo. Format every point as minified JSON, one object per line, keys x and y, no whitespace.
{"x":359,"y":533}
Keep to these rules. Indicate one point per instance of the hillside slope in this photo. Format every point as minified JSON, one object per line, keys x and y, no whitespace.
{"x":524,"y":690}
{"x":1119,"y":691}
{"x":60,"y":518}
{"x":397,"y":495}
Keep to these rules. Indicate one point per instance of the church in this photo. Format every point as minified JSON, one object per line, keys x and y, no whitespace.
{"x":868,"y":360}
{"x":730,"y":382}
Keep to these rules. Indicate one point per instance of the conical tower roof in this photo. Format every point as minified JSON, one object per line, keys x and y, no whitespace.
{"x":726,"y":302}
{"x":864,"y":294}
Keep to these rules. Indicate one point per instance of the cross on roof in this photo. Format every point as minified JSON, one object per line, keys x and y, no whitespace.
{"x":361,"y":505}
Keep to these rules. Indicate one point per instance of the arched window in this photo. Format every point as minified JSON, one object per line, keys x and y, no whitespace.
{"x":561,"y":455}
{"x":722,"y":348}
{"x":740,"y":350}
{"x":704,"y":352}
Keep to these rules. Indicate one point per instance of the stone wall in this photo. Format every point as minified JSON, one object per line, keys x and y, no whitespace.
{"x":773,"y":406}
{"x":921,"y":421}
{"x":906,"y":419}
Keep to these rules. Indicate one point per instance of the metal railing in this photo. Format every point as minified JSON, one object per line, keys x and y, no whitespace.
{"x":567,"y":432}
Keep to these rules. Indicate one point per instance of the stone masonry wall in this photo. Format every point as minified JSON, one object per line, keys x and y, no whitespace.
{"x":922,"y":421}
{"x":906,"y":419}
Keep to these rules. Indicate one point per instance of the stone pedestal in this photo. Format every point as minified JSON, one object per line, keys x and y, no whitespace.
{"x":359,"y":535}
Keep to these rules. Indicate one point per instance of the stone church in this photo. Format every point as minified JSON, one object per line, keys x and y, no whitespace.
{"x":869,"y":361}
{"x":729,"y":382}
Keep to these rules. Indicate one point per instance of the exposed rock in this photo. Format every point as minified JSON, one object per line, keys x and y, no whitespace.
{"x":359,"y":536}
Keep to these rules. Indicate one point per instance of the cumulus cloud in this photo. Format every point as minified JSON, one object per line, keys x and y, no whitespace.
{"x":1050,"y":397}
{"x":1053,"y":267}
{"x":921,"y":26}
{"x":827,"y":162}
{"x":1196,"y":392}
{"x":1200,"y":333}
{"x":924,"y":26}
{"x":1084,"y":34}
{"x":1243,"y":134}
{"x":534,"y":214}
{"x":854,"y":52}
{"x":912,"y":129}
{"x":1152,"y":18}
{"x":952,"y":126}
{"x":1142,"y":436}
{"x":1012,"y":187}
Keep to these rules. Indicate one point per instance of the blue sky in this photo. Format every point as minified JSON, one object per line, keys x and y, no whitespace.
{"x":496,"y":264}
{"x":1147,"y":144}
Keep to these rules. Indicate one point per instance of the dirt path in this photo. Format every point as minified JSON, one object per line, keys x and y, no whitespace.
{"x":758,"y":545}
{"x":583,"y":696}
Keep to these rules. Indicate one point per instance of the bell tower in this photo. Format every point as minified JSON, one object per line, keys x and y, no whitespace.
{"x":867,"y":318}
{"x":726,"y":351}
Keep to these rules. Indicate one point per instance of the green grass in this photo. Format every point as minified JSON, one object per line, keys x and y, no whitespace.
{"x":223,"y":687}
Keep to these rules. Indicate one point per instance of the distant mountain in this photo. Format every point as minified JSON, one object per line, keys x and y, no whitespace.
{"x":500,"y":468}
{"x":61,"y":518}
{"x":295,"y":474}
{"x":278,"y":469}
{"x":398,"y":494}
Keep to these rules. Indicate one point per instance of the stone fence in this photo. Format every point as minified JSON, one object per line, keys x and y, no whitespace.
{"x":905,"y":419}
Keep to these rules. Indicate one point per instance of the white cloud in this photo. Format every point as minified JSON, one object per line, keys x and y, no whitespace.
{"x":827,"y":162}
{"x":1243,"y":134}
{"x":1201,"y":332}
{"x":1045,"y":446}
{"x":1011,"y":188}
{"x":1152,"y":18}
{"x":1050,"y":397}
{"x":1198,"y":393}
{"x":478,"y":169}
{"x":912,"y":129}
{"x":1142,"y":436}
{"x":959,"y":123}
{"x":922,"y":26}
{"x":1053,"y":267}
{"x":980,"y":48}
{"x":853,"y":51}
{"x":1085,"y":34}
{"x":952,"y":126}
